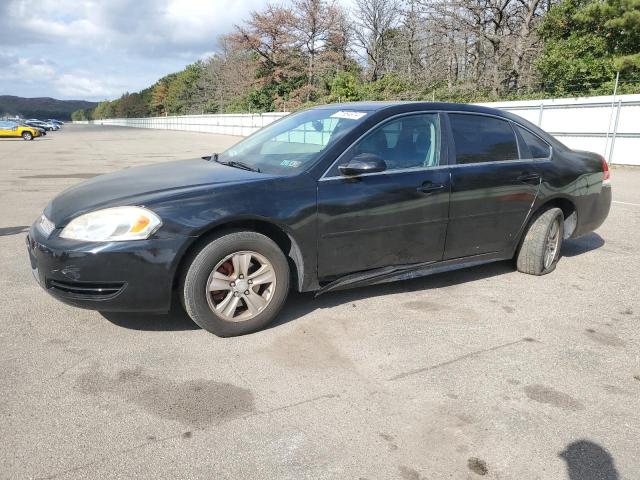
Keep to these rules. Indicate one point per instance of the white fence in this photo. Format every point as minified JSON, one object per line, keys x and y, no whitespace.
{"x":606,"y":125}
{"x":234,"y":124}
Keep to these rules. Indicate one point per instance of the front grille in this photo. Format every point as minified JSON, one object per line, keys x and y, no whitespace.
{"x":88,"y":290}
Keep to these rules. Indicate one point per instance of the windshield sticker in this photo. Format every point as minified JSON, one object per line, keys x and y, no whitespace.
{"x":291,"y":163}
{"x":349,"y":115}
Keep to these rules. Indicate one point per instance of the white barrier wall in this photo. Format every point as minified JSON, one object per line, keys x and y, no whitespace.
{"x":233,"y":124}
{"x":608,"y":126}
{"x":605,"y":125}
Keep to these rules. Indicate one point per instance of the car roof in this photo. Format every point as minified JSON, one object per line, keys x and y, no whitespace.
{"x":399,"y":107}
{"x":408,"y":106}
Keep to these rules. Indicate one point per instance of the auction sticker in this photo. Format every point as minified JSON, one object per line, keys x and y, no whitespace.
{"x":349,"y":115}
{"x":291,"y":163}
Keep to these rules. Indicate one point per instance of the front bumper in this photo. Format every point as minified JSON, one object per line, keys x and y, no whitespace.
{"x":112,"y":276}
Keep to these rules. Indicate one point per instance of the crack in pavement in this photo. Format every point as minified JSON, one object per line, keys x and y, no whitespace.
{"x":457,"y":359}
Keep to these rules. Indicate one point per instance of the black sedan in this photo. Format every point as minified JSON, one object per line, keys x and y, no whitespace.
{"x":332,"y":197}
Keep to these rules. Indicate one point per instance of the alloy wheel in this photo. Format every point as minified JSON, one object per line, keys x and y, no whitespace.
{"x":553,"y":243}
{"x":241,"y":286}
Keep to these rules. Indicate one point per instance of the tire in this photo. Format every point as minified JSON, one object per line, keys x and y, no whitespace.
{"x":216,"y":264}
{"x":27,"y":135}
{"x":540,"y":249}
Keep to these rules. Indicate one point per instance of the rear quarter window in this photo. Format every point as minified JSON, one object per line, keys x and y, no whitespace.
{"x":538,"y":148}
{"x":481,"y":139}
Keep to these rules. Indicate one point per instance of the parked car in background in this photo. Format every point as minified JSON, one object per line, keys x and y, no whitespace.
{"x":39,"y":124}
{"x":12,"y":129}
{"x":332,"y":197}
{"x":57,"y":122}
{"x":43,"y":132}
{"x":47,"y":124}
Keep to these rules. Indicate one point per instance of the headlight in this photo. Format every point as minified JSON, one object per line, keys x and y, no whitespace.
{"x":113,"y":225}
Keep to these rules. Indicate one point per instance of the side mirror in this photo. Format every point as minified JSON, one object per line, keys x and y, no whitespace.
{"x":363,"y":163}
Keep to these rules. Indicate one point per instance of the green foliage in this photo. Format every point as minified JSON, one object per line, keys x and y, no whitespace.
{"x":627,"y":63}
{"x":262,"y":99}
{"x":183,"y":93}
{"x":79,"y":115}
{"x":157,"y":103}
{"x":345,"y":87}
{"x":586,"y":42}
{"x":103,"y":110}
{"x":576,"y":64}
{"x":391,"y":86}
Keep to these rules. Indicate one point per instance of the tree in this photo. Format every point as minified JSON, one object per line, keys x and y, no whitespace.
{"x":312,"y":21}
{"x":184,"y":95}
{"x":587,"y":41}
{"x":339,"y":45}
{"x":230,"y":75}
{"x":158,"y":102}
{"x":345,"y":87}
{"x":103,"y":110}
{"x":268,"y":34}
{"x":132,"y":106}
{"x":375,"y":21}
{"x":79,"y":115}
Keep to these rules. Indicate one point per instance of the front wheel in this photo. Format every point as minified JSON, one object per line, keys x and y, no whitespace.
{"x":540,"y":249}
{"x":236,"y":284}
{"x":27,"y":135}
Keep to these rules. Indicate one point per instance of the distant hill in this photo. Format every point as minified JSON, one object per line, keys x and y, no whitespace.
{"x":44,"y":107}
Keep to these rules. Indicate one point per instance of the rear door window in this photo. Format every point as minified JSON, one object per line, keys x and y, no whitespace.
{"x":539,"y":148}
{"x":480,"y":139}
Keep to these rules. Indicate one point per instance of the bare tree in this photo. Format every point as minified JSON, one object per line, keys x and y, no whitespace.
{"x":339,"y":45}
{"x":312,"y":21}
{"x":268,"y":34}
{"x":228,"y":75}
{"x":375,"y":21}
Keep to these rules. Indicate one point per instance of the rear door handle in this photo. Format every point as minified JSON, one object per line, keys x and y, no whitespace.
{"x":529,"y":177}
{"x":429,"y":187}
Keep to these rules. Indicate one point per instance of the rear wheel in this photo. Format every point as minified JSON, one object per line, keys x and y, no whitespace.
{"x":27,"y":135}
{"x":236,"y":284}
{"x":540,"y":249}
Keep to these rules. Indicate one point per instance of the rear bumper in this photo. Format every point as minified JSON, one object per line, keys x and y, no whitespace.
{"x":593,"y":211}
{"x":115,"y":276}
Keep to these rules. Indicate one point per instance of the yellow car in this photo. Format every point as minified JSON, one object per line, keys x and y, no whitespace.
{"x":13,"y":129}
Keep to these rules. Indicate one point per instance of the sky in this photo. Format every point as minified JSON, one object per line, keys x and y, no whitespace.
{"x":96,"y":50}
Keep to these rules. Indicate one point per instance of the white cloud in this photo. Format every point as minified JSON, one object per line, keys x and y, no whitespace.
{"x":78,"y":85}
{"x":95,"y":49}
{"x":25,"y":69}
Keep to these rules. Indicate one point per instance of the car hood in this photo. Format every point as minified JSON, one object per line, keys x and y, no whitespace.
{"x":143,"y":185}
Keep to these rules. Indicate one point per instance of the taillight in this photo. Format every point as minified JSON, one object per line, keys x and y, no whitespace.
{"x":606,"y":179}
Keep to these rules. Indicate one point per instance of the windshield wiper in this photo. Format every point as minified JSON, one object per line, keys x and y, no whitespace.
{"x":242,"y":165}
{"x":232,"y":163}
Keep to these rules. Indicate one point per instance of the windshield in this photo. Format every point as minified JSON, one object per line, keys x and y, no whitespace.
{"x":293,"y":144}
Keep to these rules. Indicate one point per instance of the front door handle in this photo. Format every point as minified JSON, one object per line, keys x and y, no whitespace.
{"x":430,"y":187}
{"x":529,"y":177}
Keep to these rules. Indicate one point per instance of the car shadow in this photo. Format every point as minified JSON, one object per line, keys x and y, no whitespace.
{"x":301,"y":304}
{"x":173,"y":321}
{"x":587,"y":460}
{"x":36,"y":139}
{"x":573,"y":248}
